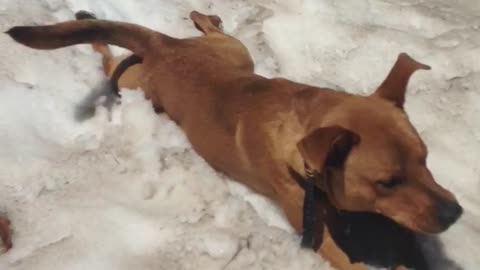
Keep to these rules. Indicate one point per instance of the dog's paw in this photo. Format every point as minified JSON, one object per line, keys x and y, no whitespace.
{"x":85,"y":15}
{"x":5,"y":235}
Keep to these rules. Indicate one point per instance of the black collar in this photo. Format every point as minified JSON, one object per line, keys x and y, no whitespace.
{"x":310,"y":213}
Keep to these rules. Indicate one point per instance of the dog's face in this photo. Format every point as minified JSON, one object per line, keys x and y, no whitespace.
{"x":375,"y":160}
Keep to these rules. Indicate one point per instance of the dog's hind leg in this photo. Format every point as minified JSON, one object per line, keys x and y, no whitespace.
{"x":109,"y":61}
{"x":115,"y":68}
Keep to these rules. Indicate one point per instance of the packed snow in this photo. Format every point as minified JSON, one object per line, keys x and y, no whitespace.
{"x":86,"y":188}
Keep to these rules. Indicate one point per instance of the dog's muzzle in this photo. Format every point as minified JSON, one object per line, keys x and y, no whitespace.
{"x":448,"y":212}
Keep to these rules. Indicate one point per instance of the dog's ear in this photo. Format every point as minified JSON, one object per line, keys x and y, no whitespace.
{"x":395,"y":85}
{"x":206,"y":23}
{"x":327,"y":147}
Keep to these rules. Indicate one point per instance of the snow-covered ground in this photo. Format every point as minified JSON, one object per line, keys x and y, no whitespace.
{"x":125,"y":191}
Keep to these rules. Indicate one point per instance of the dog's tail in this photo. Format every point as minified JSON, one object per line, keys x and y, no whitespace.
{"x":134,"y":37}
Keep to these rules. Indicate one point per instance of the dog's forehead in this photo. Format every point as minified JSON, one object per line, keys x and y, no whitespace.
{"x":382,"y":157}
{"x":378,"y":115}
{"x":364,"y":114}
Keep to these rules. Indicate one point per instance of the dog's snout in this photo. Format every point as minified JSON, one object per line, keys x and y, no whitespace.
{"x":448,"y":212}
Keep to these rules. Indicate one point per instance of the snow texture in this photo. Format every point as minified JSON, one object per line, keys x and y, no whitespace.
{"x":89,"y":190}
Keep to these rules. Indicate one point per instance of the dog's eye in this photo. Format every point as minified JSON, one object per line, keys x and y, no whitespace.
{"x":390,"y":183}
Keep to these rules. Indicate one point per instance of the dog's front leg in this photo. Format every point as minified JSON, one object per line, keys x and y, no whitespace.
{"x":327,"y":248}
{"x":325,"y":244}
{"x":332,"y":253}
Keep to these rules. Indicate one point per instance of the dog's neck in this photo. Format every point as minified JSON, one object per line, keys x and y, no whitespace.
{"x":310,"y":107}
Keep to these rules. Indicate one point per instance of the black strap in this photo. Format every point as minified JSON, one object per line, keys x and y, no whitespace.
{"x":121,"y":68}
{"x":312,"y":184}
{"x":310,"y":214}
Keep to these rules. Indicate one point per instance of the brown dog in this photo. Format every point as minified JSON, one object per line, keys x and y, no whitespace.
{"x":267,"y":133}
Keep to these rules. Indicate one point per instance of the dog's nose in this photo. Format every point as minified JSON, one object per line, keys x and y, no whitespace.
{"x":448,"y":212}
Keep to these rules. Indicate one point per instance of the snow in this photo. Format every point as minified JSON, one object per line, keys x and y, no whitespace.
{"x":124,"y":190}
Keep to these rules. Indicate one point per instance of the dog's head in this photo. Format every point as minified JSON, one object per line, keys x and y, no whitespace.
{"x":375,"y":160}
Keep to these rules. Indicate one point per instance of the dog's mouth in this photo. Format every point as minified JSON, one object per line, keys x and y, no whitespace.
{"x":421,"y":225}
{"x":415,"y":225}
